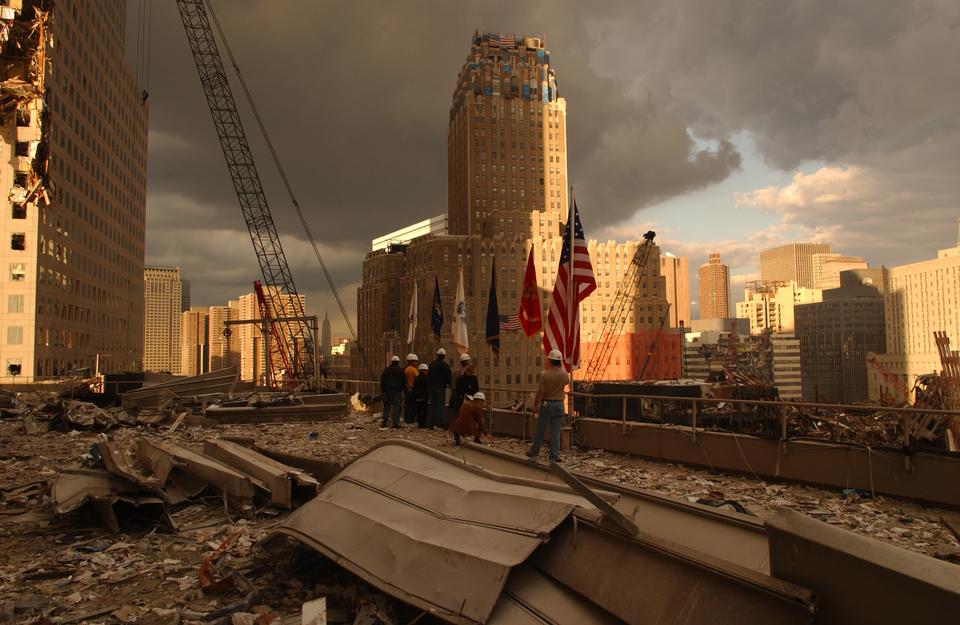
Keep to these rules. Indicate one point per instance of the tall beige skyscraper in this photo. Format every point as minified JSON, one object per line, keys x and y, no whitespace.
{"x":714,"y":279}
{"x":676,"y":273}
{"x":163,"y":296}
{"x":791,"y":262}
{"x":506,"y":139}
{"x":73,"y":148}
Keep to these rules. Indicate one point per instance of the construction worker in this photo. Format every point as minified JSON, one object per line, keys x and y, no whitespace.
{"x":456,"y":397}
{"x":549,"y":404}
{"x":439,"y":380}
{"x":470,"y":419}
{"x":392,"y":383}
{"x":421,"y":395}
{"x":464,"y":383}
{"x":410,"y":372}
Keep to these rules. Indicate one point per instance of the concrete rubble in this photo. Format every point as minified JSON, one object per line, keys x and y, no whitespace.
{"x":70,"y":567}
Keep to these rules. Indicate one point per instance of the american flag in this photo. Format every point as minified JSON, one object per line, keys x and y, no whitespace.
{"x":562,"y":332}
{"x":503,"y":41}
{"x":510,"y":322}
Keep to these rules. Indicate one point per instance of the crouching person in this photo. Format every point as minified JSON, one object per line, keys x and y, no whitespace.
{"x":470,"y":419}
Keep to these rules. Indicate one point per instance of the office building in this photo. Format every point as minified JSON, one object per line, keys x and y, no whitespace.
{"x":791,"y":262}
{"x":769,"y":306}
{"x":223,"y":348}
{"x":714,"y":279}
{"x":787,"y":370}
{"x":194,"y":341}
{"x":837,"y":334}
{"x":676,"y":274}
{"x":920,"y":298}
{"x":73,"y":143}
{"x":827,"y":268}
{"x":162,"y":314}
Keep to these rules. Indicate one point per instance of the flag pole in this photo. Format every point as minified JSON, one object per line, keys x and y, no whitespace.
{"x":571,"y":297}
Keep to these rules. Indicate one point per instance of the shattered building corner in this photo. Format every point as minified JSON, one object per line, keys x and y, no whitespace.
{"x":26,"y":40}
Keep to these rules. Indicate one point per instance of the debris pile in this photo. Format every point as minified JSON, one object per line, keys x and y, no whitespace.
{"x":157,"y":476}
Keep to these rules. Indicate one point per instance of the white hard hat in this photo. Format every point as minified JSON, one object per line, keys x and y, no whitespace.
{"x":395,"y":359}
{"x":479,"y":396}
{"x":412,"y":357}
{"x":441,"y":352}
{"x":464,"y":357}
{"x":555,"y":355}
{"x":423,"y":367}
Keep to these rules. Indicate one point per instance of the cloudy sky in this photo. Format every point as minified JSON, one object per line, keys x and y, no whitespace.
{"x":725,"y":125}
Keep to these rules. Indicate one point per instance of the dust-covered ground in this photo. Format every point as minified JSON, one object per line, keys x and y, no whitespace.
{"x":59,"y":568}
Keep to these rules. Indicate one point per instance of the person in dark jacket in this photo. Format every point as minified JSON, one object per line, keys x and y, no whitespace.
{"x":466,"y":383}
{"x":392,"y":383}
{"x":420,"y":395}
{"x":439,"y":378}
{"x":470,"y":419}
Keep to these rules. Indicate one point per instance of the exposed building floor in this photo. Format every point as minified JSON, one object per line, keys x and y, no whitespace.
{"x":70,"y":565}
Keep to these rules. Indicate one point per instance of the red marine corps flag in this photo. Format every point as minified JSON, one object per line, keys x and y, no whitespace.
{"x":530,"y":315}
{"x":575,"y":281}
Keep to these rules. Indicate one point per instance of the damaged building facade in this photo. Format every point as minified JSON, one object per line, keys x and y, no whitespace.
{"x":73,"y":137}
{"x":507,"y":193}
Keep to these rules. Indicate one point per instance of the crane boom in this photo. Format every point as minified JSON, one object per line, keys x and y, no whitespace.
{"x":297,"y":342}
{"x":617,"y":315}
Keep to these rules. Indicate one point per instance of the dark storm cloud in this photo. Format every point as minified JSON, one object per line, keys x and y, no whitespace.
{"x":357,"y":96}
{"x":866,"y":91}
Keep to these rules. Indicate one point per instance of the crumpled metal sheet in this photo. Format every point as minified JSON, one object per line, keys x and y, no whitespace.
{"x":436,"y":533}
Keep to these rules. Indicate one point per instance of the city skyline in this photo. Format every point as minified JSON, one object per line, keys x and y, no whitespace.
{"x":784,"y":190}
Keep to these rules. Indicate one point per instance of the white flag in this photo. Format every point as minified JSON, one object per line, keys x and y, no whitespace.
{"x":460,"y":318}
{"x":412,"y":327}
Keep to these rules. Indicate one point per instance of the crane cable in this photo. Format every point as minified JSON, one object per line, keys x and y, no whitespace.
{"x":286,"y":184}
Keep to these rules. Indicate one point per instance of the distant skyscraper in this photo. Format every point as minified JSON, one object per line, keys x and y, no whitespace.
{"x":793,"y":261}
{"x":222,"y":351}
{"x":325,"y":336}
{"x":194,"y":339}
{"x":714,"y":278}
{"x":676,"y":272}
{"x":73,"y":148}
{"x":162,"y":296}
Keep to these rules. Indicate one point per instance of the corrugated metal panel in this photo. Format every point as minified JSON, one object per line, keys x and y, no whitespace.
{"x":453,"y":531}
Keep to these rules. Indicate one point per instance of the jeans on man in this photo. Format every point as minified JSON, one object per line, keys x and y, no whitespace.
{"x":391,"y":404}
{"x":438,"y":395}
{"x":550,"y":411}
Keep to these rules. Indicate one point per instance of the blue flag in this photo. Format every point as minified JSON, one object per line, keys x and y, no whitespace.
{"x":493,"y":312}
{"x":436,"y":318}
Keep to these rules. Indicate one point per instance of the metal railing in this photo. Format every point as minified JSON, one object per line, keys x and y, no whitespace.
{"x":655,"y":407}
